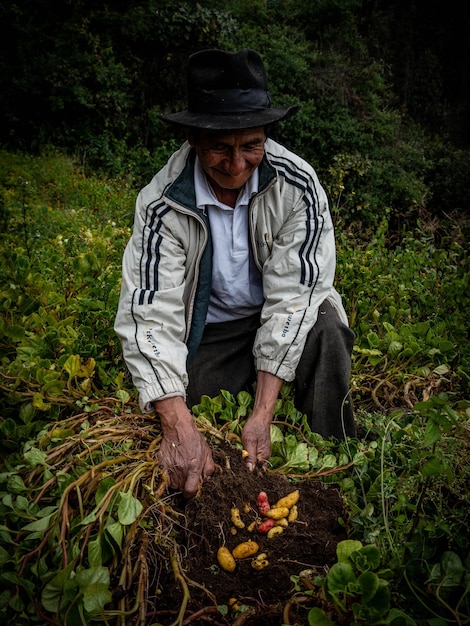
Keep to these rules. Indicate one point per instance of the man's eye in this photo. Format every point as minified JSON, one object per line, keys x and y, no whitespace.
{"x":219,"y":149}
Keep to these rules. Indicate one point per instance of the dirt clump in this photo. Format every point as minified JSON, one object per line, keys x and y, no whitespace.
{"x":308,"y":544}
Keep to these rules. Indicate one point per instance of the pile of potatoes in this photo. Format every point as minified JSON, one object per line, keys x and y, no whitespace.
{"x":270,"y":521}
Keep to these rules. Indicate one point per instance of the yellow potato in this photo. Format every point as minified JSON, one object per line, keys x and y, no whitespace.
{"x":245,"y":549}
{"x":293,"y":514}
{"x":236,"y":519}
{"x":260,"y":562}
{"x":278,"y":513}
{"x":225,"y":559}
{"x":282,"y":522}
{"x":276,"y":530}
{"x":288,"y":501}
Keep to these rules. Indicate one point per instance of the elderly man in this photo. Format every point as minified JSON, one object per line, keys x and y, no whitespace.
{"x":228,"y":277}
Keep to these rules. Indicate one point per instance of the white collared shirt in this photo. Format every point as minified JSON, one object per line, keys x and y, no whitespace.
{"x":237,"y":289}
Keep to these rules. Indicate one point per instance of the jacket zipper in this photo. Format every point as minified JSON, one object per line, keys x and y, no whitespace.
{"x":192,"y":295}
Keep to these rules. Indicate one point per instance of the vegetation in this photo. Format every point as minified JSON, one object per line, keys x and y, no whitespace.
{"x":84,"y":513}
{"x":79,"y":482}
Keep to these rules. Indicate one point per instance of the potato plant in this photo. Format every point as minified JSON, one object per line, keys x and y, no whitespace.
{"x":80,"y":490}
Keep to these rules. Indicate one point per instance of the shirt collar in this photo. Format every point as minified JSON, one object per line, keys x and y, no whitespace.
{"x":205,"y":195}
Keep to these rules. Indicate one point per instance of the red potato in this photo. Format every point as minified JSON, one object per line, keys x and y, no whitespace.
{"x":265,"y":526}
{"x":263,"y":502}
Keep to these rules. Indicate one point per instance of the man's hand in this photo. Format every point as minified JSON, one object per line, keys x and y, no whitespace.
{"x":184,"y":453}
{"x":256,"y":435}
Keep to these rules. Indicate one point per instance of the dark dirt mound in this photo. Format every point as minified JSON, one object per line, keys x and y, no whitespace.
{"x":306,"y":544}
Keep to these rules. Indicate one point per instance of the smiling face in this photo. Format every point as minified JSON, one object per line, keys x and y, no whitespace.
{"x":229,"y":157}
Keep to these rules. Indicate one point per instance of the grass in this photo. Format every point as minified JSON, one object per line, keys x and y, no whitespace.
{"x":77,"y":478}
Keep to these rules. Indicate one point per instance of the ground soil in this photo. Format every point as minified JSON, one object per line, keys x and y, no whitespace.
{"x":307,"y":546}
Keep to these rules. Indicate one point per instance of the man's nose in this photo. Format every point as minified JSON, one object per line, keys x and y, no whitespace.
{"x":236,"y":163}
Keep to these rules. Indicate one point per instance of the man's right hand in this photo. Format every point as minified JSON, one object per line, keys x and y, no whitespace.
{"x":184,"y":453}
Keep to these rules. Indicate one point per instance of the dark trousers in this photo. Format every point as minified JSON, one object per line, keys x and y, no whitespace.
{"x":224,"y":360}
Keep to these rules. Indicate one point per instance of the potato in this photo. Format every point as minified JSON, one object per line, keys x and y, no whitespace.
{"x":225,"y":559}
{"x":278,"y":513}
{"x":276,"y":530}
{"x":282,"y":522}
{"x":263,"y":502}
{"x":245,"y":549}
{"x":260,"y":562}
{"x":236,"y":519}
{"x":251,"y":526}
{"x":265,"y":526}
{"x":288,"y":501}
{"x":293,"y":514}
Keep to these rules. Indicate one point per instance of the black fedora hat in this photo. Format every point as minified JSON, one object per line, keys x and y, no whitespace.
{"x":227,"y":91}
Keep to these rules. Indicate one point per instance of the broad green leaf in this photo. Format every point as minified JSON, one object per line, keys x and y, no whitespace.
{"x":72,"y":365}
{"x":433,"y":467}
{"x":94,"y":552}
{"x":372,"y":554}
{"x":431,"y":434}
{"x":103,"y":488}
{"x":398,"y":618}
{"x":123,"y":396}
{"x":40,"y":525}
{"x":86,"y":577}
{"x":369,"y":584}
{"x":317,"y":617}
{"x":276,"y":434}
{"x":116,"y":531}
{"x":379,"y":603}
{"x":34,"y":457}
{"x":129,"y":509}
{"x":59,"y":591}
{"x":15,"y":484}
{"x":95,"y":597}
{"x":339,"y":577}
{"x":298,"y":457}
{"x":345,"y":548}
{"x":449,"y":572}
{"x":329,"y":461}
{"x":5,"y":556}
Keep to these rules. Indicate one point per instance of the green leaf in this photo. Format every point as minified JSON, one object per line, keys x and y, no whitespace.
{"x":129,"y":509}
{"x":72,"y":365}
{"x":95,"y":597}
{"x":298,"y":457}
{"x":59,"y":591}
{"x":372,"y":554}
{"x":103,"y":488}
{"x":40,"y":525}
{"x":433,"y":467}
{"x":116,"y":531}
{"x":317,"y":617}
{"x":276,"y":434}
{"x":449,"y":572}
{"x":398,"y":618}
{"x":369,"y":584}
{"x":15,"y":484}
{"x":94,"y":552}
{"x":34,"y":457}
{"x":345,"y":548}
{"x":339,"y":577}
{"x":431,"y":434}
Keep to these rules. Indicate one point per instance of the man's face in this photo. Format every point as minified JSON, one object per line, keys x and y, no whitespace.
{"x":229,"y":157}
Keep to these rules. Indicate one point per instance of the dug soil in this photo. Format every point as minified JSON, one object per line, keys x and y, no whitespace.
{"x":307,"y":547}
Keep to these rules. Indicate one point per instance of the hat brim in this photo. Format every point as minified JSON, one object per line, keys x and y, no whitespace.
{"x":229,"y":121}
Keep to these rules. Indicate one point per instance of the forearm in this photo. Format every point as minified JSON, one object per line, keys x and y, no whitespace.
{"x":267,"y":392}
{"x":173,"y":414}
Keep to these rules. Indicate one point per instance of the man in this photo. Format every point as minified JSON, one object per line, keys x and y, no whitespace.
{"x":228,"y":277}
